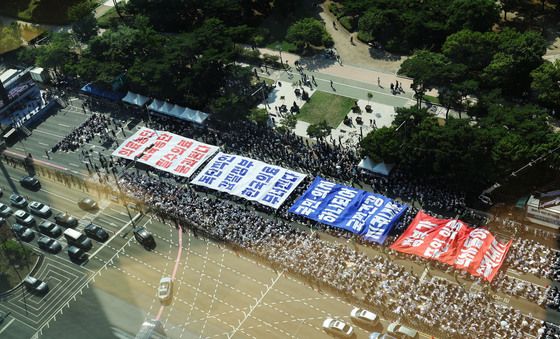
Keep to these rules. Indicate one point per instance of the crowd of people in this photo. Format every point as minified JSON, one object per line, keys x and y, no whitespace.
{"x":530,"y":256}
{"x":96,"y":125}
{"x":374,"y":279}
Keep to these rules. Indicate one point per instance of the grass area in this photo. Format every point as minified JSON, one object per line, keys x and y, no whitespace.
{"x":431,"y":99}
{"x":38,"y":11}
{"x":29,"y":32}
{"x":107,"y":19}
{"x":285,"y":46}
{"x":10,"y":38}
{"x":10,"y":272}
{"x":325,"y":106}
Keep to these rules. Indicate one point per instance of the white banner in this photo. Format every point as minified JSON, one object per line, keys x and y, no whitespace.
{"x":250,"y":179}
{"x":166,"y":151}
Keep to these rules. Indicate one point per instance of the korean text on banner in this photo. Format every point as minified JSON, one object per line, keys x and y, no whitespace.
{"x":250,"y":179}
{"x":360,"y":212}
{"x":451,"y":241}
{"x":166,"y":151}
{"x":135,"y":144}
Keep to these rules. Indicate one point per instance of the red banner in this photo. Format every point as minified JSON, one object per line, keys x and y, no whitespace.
{"x":451,"y":241}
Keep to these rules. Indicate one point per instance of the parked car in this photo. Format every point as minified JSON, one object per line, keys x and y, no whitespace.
{"x":66,"y":220}
{"x":30,"y":183}
{"x":364,"y":317}
{"x":50,"y":228}
{"x":23,"y":233}
{"x":400,"y":331}
{"x":24,"y":218}
{"x":18,"y":201}
{"x":165,"y":289}
{"x":35,"y":286}
{"x":338,"y":328}
{"x":5,"y":211}
{"x":95,"y":232}
{"x":49,"y":244}
{"x":87,"y":204}
{"x":77,"y":254}
{"x":144,"y":237}
{"x":40,"y":209}
{"x":78,"y":239}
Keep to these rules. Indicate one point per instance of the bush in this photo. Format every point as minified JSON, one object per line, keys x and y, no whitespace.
{"x":306,"y":32}
{"x":364,"y":37}
{"x":271,"y":60}
{"x":348,"y":22}
{"x":336,"y":9}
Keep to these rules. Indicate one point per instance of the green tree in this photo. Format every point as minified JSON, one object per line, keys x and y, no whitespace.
{"x":473,"y":49}
{"x":290,"y":121}
{"x":475,"y":15}
{"x":259,"y":115}
{"x":307,"y":32}
{"x":319,"y":130}
{"x":546,"y":84}
{"x":84,"y":24}
{"x":382,"y":145}
{"x":57,"y":54}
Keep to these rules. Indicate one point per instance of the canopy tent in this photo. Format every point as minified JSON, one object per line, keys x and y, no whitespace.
{"x":135,"y":99}
{"x":102,"y":93}
{"x":378,"y":168}
{"x":179,"y":112}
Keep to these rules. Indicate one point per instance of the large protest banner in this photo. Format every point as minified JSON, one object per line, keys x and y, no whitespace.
{"x":165,"y":151}
{"x":451,"y":241}
{"x":250,"y":179}
{"x":360,"y":212}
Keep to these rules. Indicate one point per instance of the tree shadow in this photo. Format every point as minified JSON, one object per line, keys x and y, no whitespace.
{"x":381,"y":54}
{"x":317,"y":62}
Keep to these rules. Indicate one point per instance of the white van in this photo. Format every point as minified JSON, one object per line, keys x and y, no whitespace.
{"x":77,"y":239}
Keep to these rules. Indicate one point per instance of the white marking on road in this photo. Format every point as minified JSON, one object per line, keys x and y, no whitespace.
{"x":43,"y":144}
{"x":48,"y":133}
{"x":252,"y":307}
{"x":113,"y":237}
{"x":63,"y":125}
{"x":73,"y":164}
{"x":19,"y":148}
{"x":119,"y":212}
{"x":8,"y":324}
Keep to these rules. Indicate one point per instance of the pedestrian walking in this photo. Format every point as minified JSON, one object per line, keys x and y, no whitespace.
{"x":351,"y":39}
{"x":332,"y":85}
{"x":378,"y":82}
{"x":47,"y":153}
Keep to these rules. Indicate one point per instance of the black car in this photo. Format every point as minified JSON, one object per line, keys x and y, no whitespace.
{"x":95,"y":232}
{"x":35,"y":286}
{"x":50,"y":228}
{"x":144,"y":237}
{"x":30,"y":183}
{"x":24,"y":218}
{"x":66,"y":220}
{"x":87,"y":204}
{"x":23,"y":233}
{"x":48,"y":244}
{"x":77,"y":254}
{"x":17,"y":200}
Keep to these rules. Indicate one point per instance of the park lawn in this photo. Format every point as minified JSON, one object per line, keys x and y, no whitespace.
{"x":325,"y":106}
{"x":106,"y":19}
{"x":52,"y":12}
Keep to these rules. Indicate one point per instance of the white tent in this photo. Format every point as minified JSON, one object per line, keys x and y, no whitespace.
{"x":180,"y":112}
{"x":156,"y":106}
{"x":135,"y":99}
{"x":379,"y":168}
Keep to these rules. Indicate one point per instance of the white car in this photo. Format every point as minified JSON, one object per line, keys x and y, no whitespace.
{"x":165,"y":289}
{"x":401,"y":331}
{"x":364,"y":316}
{"x":5,"y":211}
{"x":24,"y":218}
{"x":39,"y":209}
{"x":337,"y":327}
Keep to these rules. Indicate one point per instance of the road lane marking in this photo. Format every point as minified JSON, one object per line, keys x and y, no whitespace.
{"x":73,"y":164}
{"x":8,"y":324}
{"x":43,"y":144}
{"x":177,"y":260}
{"x":113,"y":237}
{"x":48,"y":133}
{"x":63,"y":125}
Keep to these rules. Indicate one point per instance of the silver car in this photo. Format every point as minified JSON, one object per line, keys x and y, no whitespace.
{"x":165,"y":289}
{"x":338,"y":328}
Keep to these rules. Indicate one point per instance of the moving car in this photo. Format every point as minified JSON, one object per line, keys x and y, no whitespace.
{"x":23,"y":233}
{"x":165,"y":288}
{"x":35,"y":285}
{"x":30,"y":183}
{"x":338,"y":328}
{"x":50,"y":228}
{"x":144,"y":237}
{"x":364,"y":317}
{"x":78,"y":239}
{"x":95,"y":232}
{"x":66,"y":220}
{"x":401,"y":331}
{"x":24,"y":218}
{"x":40,"y":209}
{"x":5,"y":211}
{"x":87,"y":204}
{"x":49,"y":244}
{"x":17,"y":200}
{"x":77,"y":254}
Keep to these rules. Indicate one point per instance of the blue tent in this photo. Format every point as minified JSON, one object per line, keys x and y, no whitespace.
{"x":378,"y":168}
{"x":102,"y":93}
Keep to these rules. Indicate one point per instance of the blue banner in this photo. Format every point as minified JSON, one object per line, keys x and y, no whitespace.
{"x":360,"y":212}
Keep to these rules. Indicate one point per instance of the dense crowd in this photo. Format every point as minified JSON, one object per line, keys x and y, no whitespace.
{"x":530,"y":256}
{"x":95,"y":125}
{"x":425,"y":303}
